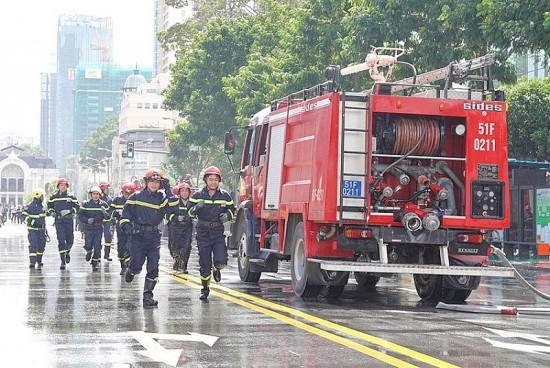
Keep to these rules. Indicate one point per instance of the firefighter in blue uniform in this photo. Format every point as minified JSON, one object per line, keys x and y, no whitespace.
{"x":212,"y":206}
{"x":181,"y":228}
{"x":141,"y":216}
{"x":91,"y":216}
{"x":34,"y":215}
{"x":63,"y":207}
{"x":170,"y":231}
{"x":122,"y":239}
{"x":107,"y":229}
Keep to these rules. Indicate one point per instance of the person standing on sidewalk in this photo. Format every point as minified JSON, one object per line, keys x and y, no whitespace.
{"x":91,"y":216}
{"x":212,"y":206}
{"x":122,"y":239}
{"x":141,"y":216}
{"x":34,"y":215}
{"x":107,"y":228}
{"x":181,"y":228}
{"x":63,"y":207}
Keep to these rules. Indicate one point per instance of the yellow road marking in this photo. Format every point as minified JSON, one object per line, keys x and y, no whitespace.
{"x":194,"y":281}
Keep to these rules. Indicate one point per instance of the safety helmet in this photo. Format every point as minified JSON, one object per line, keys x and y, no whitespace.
{"x":129,"y":188}
{"x":104,"y":185}
{"x":37,"y":193}
{"x":154,"y":174}
{"x":95,"y":188}
{"x":176,"y":190}
{"x":62,"y":181}
{"x":211,"y":170}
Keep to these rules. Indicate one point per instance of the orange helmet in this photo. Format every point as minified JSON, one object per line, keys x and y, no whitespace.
{"x":211,"y":170}
{"x":153,"y":174}
{"x":62,"y":181}
{"x":104,"y":185}
{"x":129,"y":188}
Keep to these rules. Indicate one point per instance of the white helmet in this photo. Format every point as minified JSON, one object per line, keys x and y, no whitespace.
{"x":95,"y":188}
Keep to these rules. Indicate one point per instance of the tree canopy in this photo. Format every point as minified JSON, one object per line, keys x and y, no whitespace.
{"x":98,"y":145}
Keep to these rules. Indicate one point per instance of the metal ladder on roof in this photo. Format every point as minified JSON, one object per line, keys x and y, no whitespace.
{"x":354,"y":148}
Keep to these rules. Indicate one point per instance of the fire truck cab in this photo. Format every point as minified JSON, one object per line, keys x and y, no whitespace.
{"x":406,"y":177}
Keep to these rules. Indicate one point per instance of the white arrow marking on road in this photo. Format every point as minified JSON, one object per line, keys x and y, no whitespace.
{"x":158,"y":353}
{"x":521,"y":335}
{"x":520,"y":347}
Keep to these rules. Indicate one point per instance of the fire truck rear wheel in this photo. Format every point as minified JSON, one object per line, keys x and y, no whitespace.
{"x":429,"y":287}
{"x":244,"y":261}
{"x":455,"y":295}
{"x":366,"y":280}
{"x":302,"y":271}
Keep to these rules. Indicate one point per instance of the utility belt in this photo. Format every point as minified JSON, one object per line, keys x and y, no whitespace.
{"x":36,"y":228}
{"x":139,"y":227}
{"x":210,"y":224}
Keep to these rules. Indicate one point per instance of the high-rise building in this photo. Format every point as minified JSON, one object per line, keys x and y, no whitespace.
{"x":80,"y":38}
{"x":165,"y":17}
{"x":98,"y":94}
{"x":532,"y":65}
{"x":48,"y":88}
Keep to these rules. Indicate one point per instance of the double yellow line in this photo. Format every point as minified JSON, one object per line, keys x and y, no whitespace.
{"x":274,"y":310}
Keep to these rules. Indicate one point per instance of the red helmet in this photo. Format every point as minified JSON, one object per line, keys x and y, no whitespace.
{"x":176,"y":190}
{"x":104,"y":185}
{"x":154,"y":174}
{"x":62,"y":181}
{"x":211,"y":170}
{"x":129,"y":188}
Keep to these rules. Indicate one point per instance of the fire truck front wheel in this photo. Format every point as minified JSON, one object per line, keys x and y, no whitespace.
{"x":302,"y":271}
{"x":243,"y":246}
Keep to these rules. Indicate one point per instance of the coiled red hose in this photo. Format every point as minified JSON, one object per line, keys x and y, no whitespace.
{"x":409,"y":130}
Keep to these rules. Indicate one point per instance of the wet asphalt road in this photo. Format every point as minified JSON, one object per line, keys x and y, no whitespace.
{"x":77,"y":318}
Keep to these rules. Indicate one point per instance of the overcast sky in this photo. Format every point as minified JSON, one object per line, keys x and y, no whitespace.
{"x":28,"y":32}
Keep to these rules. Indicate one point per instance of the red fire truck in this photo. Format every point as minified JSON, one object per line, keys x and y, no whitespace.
{"x":405,"y":177}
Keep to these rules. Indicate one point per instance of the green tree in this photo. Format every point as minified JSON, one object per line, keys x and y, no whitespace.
{"x":94,"y":146}
{"x":528,"y":119}
{"x":34,"y":150}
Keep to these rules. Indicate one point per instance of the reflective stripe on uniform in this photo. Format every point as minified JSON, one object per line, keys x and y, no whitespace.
{"x":150,"y":205}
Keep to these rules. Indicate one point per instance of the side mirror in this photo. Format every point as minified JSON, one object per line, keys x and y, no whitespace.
{"x":229,"y":143}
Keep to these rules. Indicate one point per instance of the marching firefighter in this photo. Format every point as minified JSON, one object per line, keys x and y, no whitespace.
{"x":140,"y":219}
{"x":34,"y":215}
{"x":122,"y":239}
{"x":212,"y":206}
{"x":63,"y":207}
{"x":91,"y":215}
{"x":170,"y":231}
{"x":107,"y":230}
{"x":182,"y":228}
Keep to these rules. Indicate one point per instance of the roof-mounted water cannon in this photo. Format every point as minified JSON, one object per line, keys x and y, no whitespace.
{"x":378,"y":57}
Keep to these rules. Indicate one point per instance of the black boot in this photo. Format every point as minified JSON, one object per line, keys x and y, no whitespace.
{"x":205,"y":291}
{"x":183,"y":259}
{"x":68,"y":257}
{"x":176,"y":263}
{"x":39,"y":261}
{"x":148,"y":301}
{"x":63,"y":261}
{"x":88,"y":255}
{"x":94,"y":265}
{"x":129,"y":276}
{"x":123,"y":267}
{"x":107,"y":253}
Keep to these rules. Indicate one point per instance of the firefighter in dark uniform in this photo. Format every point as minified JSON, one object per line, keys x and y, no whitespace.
{"x":141,"y":216}
{"x":182,"y":228}
{"x":107,"y":231}
{"x":91,"y":216}
{"x":34,"y":215}
{"x":212,"y":206}
{"x":63,"y":207}
{"x":122,"y":239}
{"x":170,"y":231}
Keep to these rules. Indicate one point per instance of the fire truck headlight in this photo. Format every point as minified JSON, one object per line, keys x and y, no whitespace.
{"x":460,"y":129}
{"x":431,"y":222}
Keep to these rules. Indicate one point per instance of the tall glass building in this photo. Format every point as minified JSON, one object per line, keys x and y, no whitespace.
{"x":80,"y":38}
{"x":48,"y":88}
{"x":97,"y":96}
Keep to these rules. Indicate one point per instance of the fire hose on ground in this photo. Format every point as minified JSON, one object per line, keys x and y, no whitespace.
{"x":501,"y":309}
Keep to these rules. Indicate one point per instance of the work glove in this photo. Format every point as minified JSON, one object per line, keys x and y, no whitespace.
{"x":166,"y":185}
{"x":128,"y":229}
{"x":64,"y":212}
{"x":181,"y":218}
{"x":53,"y":214}
{"x":90,"y":221}
{"x":223,"y":217}
{"x":200,"y":203}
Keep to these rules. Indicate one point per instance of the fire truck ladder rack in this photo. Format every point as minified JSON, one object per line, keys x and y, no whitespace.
{"x":457,"y":71}
{"x":422,"y":269}
{"x":353,"y":104}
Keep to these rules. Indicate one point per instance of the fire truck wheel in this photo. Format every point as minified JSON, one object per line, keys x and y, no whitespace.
{"x":302,"y":270}
{"x":429,"y":287}
{"x":244,"y":261}
{"x":455,"y":295}
{"x":366,"y":280}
